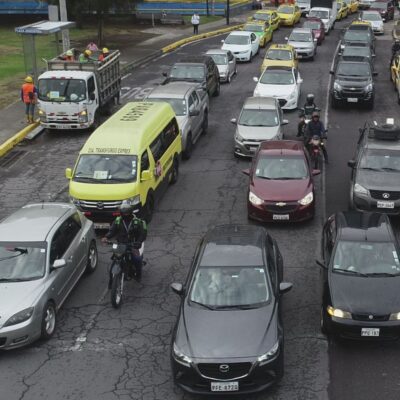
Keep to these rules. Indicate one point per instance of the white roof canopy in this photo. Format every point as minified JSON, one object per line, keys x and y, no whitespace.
{"x":44,"y":27}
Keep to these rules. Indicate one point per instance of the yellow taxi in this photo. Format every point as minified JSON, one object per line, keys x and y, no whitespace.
{"x":262,"y":29}
{"x":269,"y":16}
{"x":342,"y":10}
{"x":353,"y":6}
{"x":280,"y":54}
{"x":289,"y":14}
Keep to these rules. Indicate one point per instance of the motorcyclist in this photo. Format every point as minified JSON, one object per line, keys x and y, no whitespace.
{"x":128,"y":229}
{"x":308,"y":109}
{"x":315,"y":128}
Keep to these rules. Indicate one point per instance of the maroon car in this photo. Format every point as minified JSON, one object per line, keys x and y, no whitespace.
{"x":281,"y":183}
{"x":317,"y":26}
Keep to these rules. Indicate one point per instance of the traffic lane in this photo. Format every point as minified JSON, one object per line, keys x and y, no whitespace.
{"x":360,"y":370}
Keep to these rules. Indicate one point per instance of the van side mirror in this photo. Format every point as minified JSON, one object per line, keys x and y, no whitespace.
{"x":234,"y":121}
{"x":92,"y":96}
{"x":315,"y":172}
{"x":145,"y":176}
{"x":59,"y":263}
{"x":375,"y":73}
{"x":255,"y":79}
{"x":177,"y":288}
{"x":68,"y":173}
{"x":284,"y":122}
{"x":284,"y":287}
{"x":351,"y":163}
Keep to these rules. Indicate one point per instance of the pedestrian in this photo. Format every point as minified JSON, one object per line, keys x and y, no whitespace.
{"x":92,"y":47}
{"x":195,"y":22}
{"x":104,"y":53}
{"x":85,"y":56}
{"x":29,"y":96}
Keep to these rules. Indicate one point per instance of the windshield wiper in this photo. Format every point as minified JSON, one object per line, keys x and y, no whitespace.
{"x":13,"y":280}
{"x":390,"y":169}
{"x":286,"y":178}
{"x":380,"y":274}
{"x":263,"y":177}
{"x":21,"y":251}
{"x":118,"y":179}
{"x":204,"y":305}
{"x":238,"y":307}
{"x":348,"y":271}
{"x":371,"y":169}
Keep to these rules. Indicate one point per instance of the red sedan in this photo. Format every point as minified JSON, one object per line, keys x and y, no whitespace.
{"x":281,"y":183}
{"x":317,"y":26}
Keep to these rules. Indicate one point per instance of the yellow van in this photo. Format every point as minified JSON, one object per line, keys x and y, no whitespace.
{"x":132,"y":156}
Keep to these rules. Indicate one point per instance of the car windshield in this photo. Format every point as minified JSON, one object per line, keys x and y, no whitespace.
{"x":219,"y":59}
{"x":179,"y":105}
{"x":379,"y":4}
{"x":371,"y":17}
{"x":250,"y":117}
{"x":237,"y":39}
{"x":253,"y":28}
{"x":300,"y":37}
{"x":286,"y":10}
{"x":283,"y":55}
{"x":354,"y":69}
{"x":366,"y":258}
{"x":62,"y":90}
{"x":357,"y":35}
{"x":281,"y":168}
{"x":277,"y":77}
{"x":106,"y":168}
{"x":384,"y":160}
{"x":230,"y":287}
{"x":357,"y":51}
{"x":187,"y":72}
{"x":319,"y":14}
{"x":22,"y":261}
{"x":262,"y":17}
{"x":312,"y":25}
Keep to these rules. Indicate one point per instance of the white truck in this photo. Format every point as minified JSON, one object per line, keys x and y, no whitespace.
{"x":72,"y":94}
{"x":304,"y":6}
{"x":326,"y":10}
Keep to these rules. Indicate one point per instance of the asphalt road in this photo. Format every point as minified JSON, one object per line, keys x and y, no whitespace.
{"x":105,"y":354}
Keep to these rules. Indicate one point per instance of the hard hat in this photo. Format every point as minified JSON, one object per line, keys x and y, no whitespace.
{"x":105,"y":50}
{"x":69,"y":53}
{"x":29,"y":79}
{"x":88,"y":53}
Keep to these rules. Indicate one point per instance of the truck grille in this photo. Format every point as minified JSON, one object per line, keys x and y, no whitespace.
{"x":234,"y":370}
{"x":379,"y":194}
{"x":109,"y":205}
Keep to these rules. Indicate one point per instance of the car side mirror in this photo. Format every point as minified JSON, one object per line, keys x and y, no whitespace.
{"x":59,"y":263}
{"x":375,"y":73}
{"x":373,"y":55}
{"x":299,"y":80}
{"x":222,"y":41}
{"x":177,"y":288}
{"x":285,"y":287}
{"x":307,"y":15}
{"x":246,"y":171}
{"x":315,"y":40}
{"x":331,"y":72}
{"x":284,"y":122}
{"x":234,"y":121}
{"x":321,"y":264}
{"x":255,"y":79}
{"x":68,"y":173}
{"x":286,"y":38}
{"x":351,"y":163}
{"x":316,"y":172}
{"x":194,"y":113}
{"x":145,"y":176}
{"x":164,"y":74}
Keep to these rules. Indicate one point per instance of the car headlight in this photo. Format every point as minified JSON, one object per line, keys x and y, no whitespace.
{"x":19,"y":317}
{"x":263,"y":359}
{"x":336,"y":86}
{"x":180,"y":357}
{"x":394,"y":316}
{"x":306,"y":200}
{"x":336,"y":312}
{"x":342,"y":47}
{"x":83,"y":116}
{"x":75,"y":201}
{"x":360,"y":189}
{"x":134,"y":200}
{"x":369,"y":87}
{"x":255,"y":199}
{"x":238,"y":137}
{"x":41,"y":112}
{"x":42,"y":115}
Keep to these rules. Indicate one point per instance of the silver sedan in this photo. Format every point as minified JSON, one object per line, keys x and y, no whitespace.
{"x":226,"y":63}
{"x":44,"y":250}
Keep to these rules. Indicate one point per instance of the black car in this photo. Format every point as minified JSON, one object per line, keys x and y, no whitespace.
{"x":358,"y":35}
{"x":375,"y":174}
{"x":357,"y":53}
{"x":353,"y":84}
{"x":229,"y":335}
{"x":360,"y":277}
{"x":199,"y":69}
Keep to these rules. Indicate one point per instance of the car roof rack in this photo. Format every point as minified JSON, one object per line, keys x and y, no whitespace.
{"x":386,"y":131}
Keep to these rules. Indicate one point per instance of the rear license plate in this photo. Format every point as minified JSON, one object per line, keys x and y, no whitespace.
{"x":280,"y":217}
{"x":369,"y":331}
{"x":385,"y":204}
{"x":352,"y":100}
{"x":224,"y":386}
{"x":101,"y":225}
{"x":62,"y":127}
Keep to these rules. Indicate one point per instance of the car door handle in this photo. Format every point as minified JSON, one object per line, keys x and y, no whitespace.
{"x":84,"y":239}
{"x":70,"y":259}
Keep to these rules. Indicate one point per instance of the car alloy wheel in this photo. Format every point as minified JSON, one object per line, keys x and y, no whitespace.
{"x":92,"y":258}
{"x":48,"y":320}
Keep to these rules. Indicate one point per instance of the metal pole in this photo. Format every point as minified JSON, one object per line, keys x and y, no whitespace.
{"x":227,"y":12}
{"x":208,"y":12}
{"x":65,"y":32}
{"x":34,"y":63}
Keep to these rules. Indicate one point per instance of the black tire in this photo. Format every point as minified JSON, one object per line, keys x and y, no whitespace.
{"x":49,"y":321}
{"x":217,"y":90}
{"x":205,"y":123}
{"x":323,"y":322}
{"x":175,"y":172}
{"x":235,"y":70}
{"x":117,"y":286}
{"x":92,"y":258}
{"x":96,"y":121}
{"x":187,"y":153}
{"x":229,"y":78}
{"x":149,"y":208}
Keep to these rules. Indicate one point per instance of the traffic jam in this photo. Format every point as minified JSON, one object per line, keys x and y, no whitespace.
{"x":200,"y":192}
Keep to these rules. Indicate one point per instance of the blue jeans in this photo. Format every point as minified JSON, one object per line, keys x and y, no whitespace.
{"x":29,"y":109}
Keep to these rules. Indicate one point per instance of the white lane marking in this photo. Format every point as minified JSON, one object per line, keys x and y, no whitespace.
{"x":137,"y":92}
{"x":128,"y":74}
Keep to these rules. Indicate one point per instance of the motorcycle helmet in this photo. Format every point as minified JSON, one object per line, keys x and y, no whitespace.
{"x":310,"y":99}
{"x":126,"y":209}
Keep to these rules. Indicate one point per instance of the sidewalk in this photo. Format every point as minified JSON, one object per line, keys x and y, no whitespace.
{"x":13,"y":119}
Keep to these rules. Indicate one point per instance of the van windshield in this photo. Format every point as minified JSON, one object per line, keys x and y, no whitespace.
{"x":62,"y":90}
{"x":106,"y":168}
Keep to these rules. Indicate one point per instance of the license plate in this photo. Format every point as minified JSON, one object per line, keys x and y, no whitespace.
{"x":101,"y":225}
{"x":369,"y":331}
{"x":224,"y":386}
{"x":385,"y":204}
{"x":62,"y":127}
{"x":352,"y":100}
{"x":299,"y":56}
{"x":253,"y":148}
{"x":280,"y":217}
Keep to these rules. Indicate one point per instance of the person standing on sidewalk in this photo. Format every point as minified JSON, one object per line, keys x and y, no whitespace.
{"x":195,"y":22}
{"x":29,"y":96}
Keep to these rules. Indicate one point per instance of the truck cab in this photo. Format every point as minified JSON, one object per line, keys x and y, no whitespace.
{"x":326,"y":10}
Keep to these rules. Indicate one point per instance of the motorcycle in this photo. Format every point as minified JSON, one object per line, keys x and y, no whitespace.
{"x":121,"y":268}
{"x":315,"y":145}
{"x":305,"y":118}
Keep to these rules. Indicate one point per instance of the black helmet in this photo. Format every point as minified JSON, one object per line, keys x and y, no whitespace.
{"x":315,"y":114}
{"x":310,"y":99}
{"x":126,"y":209}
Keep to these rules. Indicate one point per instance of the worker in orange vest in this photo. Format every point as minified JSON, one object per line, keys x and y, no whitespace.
{"x":104,"y":53}
{"x":29,"y":97}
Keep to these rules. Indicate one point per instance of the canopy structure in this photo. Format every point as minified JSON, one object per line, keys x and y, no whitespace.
{"x":29,"y":32}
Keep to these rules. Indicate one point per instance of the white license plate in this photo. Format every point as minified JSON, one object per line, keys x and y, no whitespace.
{"x":280,"y":217}
{"x":224,"y":386}
{"x":352,"y":100}
{"x":369,"y":331}
{"x":101,"y":225}
{"x":253,"y":148}
{"x":385,"y":204}
{"x":62,"y":127}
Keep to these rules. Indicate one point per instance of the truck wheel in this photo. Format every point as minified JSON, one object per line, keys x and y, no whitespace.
{"x":149,"y":208}
{"x":96,"y":121}
{"x":189,"y":147}
{"x":175,"y":171}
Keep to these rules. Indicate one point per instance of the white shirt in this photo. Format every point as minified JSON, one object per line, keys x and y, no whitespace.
{"x":195,"y":19}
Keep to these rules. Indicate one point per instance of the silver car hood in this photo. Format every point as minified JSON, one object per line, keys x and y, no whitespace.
{"x":301,"y":45}
{"x":16,"y":296}
{"x":223,"y":69}
{"x":258,"y":132}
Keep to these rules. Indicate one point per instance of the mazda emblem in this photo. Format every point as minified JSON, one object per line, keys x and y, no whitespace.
{"x":224,"y":368}
{"x":385,"y":195}
{"x":370,"y":316}
{"x":100,"y":205}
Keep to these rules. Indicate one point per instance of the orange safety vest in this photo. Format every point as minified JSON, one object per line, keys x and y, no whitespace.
{"x":26,"y":89}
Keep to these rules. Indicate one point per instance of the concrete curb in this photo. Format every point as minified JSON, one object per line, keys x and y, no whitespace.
{"x":18,"y":137}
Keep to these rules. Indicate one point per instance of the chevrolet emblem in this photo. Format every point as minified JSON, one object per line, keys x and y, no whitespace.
{"x":281,"y":204}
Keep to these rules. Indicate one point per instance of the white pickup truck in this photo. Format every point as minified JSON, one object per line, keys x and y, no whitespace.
{"x":326,"y":10}
{"x":73,"y":94}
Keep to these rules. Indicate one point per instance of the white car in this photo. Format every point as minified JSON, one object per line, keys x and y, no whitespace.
{"x":244,"y":45}
{"x":282,"y":83}
{"x":375,"y":19}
